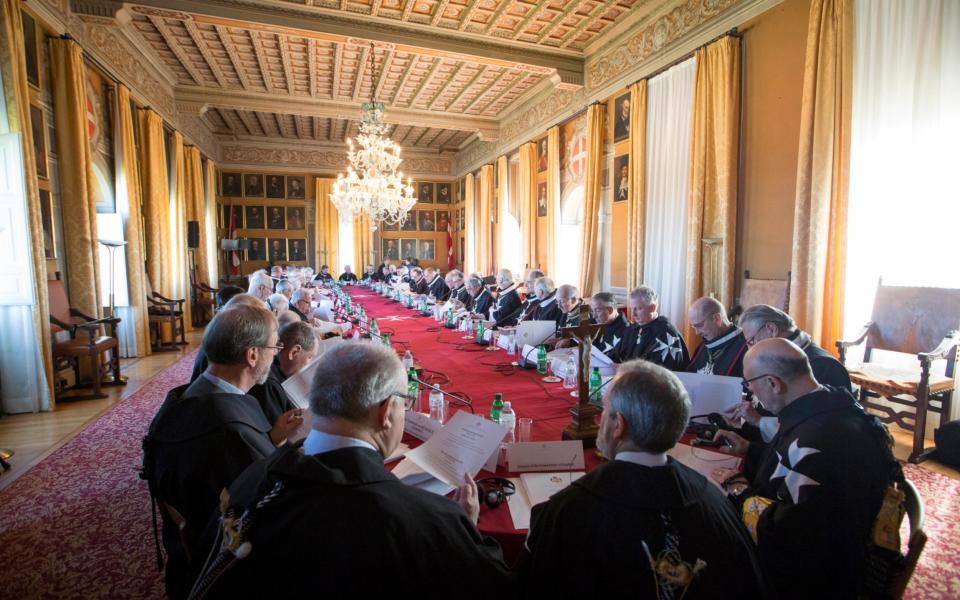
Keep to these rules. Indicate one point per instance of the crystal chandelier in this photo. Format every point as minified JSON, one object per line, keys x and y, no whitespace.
{"x":373,"y":184}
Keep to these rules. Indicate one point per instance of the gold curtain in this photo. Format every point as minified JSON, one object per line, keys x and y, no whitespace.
{"x":327,"y":227}
{"x":637,"y":202}
{"x":133,"y":228}
{"x":527,"y":197}
{"x":714,"y":155}
{"x":76,"y":175}
{"x":196,"y":210}
{"x":589,"y":250}
{"x":470,"y":240}
{"x":502,"y":206}
{"x":553,"y":198}
{"x":484,"y":220}
{"x":362,"y":244}
{"x":16,"y":91}
{"x":178,"y":248}
{"x":156,"y":203}
{"x":209,"y":224}
{"x":823,"y":170}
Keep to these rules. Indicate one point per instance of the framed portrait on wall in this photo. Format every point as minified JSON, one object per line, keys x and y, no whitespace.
{"x":443,"y":220}
{"x":275,"y":187}
{"x":278,"y":249}
{"x":391,"y":249}
{"x":411,"y":223}
{"x":31,"y":51}
{"x":425,"y":192}
{"x":427,"y":250}
{"x":39,"y":140}
{"x":230,"y":184}
{"x":443,"y":193}
{"x":276,"y":218}
{"x":252,"y":185}
{"x":426,"y":221}
{"x":296,"y":188}
{"x":297,"y":249}
{"x":621,"y":178}
{"x":254,"y":216}
{"x":295,"y":218}
{"x":621,"y":117}
{"x":257,"y":250}
{"x":408,"y":248}
{"x":542,"y":199}
{"x":542,"y":158}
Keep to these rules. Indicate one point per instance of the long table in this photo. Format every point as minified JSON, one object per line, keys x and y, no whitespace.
{"x":479,"y":373}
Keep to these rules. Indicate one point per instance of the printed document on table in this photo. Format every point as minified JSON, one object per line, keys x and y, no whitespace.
{"x":462,"y":446}
{"x":704,"y":461}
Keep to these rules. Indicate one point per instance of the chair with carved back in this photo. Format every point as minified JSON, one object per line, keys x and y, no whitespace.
{"x":203,"y":301}
{"x":88,"y":338}
{"x":911,"y":320}
{"x":916,"y":543}
{"x":775,"y":292}
{"x":162,"y":310}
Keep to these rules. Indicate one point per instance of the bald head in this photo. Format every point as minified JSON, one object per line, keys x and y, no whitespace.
{"x":708,"y":318}
{"x":778,"y":372}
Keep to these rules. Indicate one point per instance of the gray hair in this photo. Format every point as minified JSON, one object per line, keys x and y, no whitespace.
{"x":353,"y":378}
{"x":653,"y":403}
{"x":645,"y":294}
{"x":455,"y":274}
{"x":298,"y":333}
{"x":278,"y":302}
{"x":301,"y":294}
{"x":568,"y":291}
{"x":474,"y":282}
{"x":235,"y":329}
{"x":416,"y":272}
{"x":605,"y":298}
{"x":257,"y":279}
{"x":545,"y":284}
{"x":285,"y":287}
{"x":244,"y":300}
{"x":764,"y":313}
{"x":286,"y":316}
{"x":504,"y":275}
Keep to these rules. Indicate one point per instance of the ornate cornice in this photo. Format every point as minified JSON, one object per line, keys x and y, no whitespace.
{"x":474,"y":155}
{"x":327,"y":160}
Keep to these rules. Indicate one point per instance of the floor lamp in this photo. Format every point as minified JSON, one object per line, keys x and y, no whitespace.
{"x":112,"y":246}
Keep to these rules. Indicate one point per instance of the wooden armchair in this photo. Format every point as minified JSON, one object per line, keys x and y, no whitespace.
{"x":775,"y":292}
{"x":165,"y":310}
{"x":910,"y":320}
{"x":87,"y":339}
{"x":203,"y":300}
{"x":918,"y":539}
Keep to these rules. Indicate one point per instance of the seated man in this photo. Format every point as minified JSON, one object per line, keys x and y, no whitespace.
{"x":276,"y":272}
{"x":299,"y":343}
{"x":508,"y":300}
{"x":480,"y":298}
{"x":260,"y":285}
{"x":370,"y":274}
{"x":723,"y":347}
{"x":652,"y":337}
{"x":329,"y":514}
{"x":526,"y":310}
{"x":324,"y":276}
{"x":603,"y":311}
{"x":435,"y":285}
{"x":300,"y":303}
{"x":569,"y":303}
{"x":278,"y":303}
{"x":458,"y":291}
{"x":812,"y":495}
{"x":606,"y":532}
{"x":347,"y":276}
{"x":547,"y":309}
{"x":206,"y":433}
{"x":285,"y":287}
{"x":200,"y":362}
{"x":226,"y":293}
{"x":418,"y":283}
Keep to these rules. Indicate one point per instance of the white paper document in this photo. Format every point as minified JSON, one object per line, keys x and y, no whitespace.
{"x":297,"y":386}
{"x":420,"y":425}
{"x":711,"y":393}
{"x":411,"y":474}
{"x":704,"y":461}
{"x":545,"y":456}
{"x":541,"y":486}
{"x":461,"y":447}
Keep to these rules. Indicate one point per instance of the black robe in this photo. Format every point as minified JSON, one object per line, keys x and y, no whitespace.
{"x":826,"y":470}
{"x":827,"y":370}
{"x":608,"y":340}
{"x":507,"y":303}
{"x":657,"y":341}
{"x":271,"y":396}
{"x":325,"y":278}
{"x":587,"y":541}
{"x":348,"y":278}
{"x":462,"y":295}
{"x":438,"y":287}
{"x":419,"y":286}
{"x":481,"y":303}
{"x":722,"y":356}
{"x":569,"y":319}
{"x":524,"y":312}
{"x":199,"y":441}
{"x":547,"y":310}
{"x":302,"y":316}
{"x":343,"y":526}
{"x":199,"y":364}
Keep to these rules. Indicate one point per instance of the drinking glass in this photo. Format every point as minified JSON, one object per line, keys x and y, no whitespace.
{"x":525,"y":429}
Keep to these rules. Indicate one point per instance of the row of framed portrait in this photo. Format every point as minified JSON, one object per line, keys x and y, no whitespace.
{"x":277,"y":249}
{"x":422,"y":220}
{"x":263,"y":217}
{"x":258,"y":185}
{"x":434,"y":193}
{"x":397,"y":248}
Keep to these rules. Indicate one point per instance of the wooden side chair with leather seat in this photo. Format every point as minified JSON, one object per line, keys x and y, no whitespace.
{"x":918,"y":539}
{"x":203,"y":301}
{"x":775,"y":292}
{"x":162,"y":310}
{"x":88,"y":337}
{"x":911,"y":320}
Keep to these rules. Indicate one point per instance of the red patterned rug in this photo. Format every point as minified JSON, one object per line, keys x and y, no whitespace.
{"x":78,"y":524}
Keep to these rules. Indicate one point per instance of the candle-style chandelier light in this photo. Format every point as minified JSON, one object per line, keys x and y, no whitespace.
{"x":373,"y":183}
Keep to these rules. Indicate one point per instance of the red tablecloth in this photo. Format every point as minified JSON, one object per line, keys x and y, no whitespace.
{"x":478,"y":373}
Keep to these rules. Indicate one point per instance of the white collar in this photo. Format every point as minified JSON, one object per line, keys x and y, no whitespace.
{"x":509,"y":289}
{"x":643,"y":458}
{"x":721,"y":341}
{"x":549,"y":300}
{"x":223,"y":385}
{"x":318,"y":442}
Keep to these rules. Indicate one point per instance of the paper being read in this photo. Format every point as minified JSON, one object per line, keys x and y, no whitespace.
{"x":462,"y":446}
{"x":297,"y":385}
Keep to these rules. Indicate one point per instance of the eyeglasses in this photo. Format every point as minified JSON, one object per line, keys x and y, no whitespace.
{"x":277,"y":348}
{"x":408,"y":400}
{"x":753,"y":340}
{"x":746,"y":382}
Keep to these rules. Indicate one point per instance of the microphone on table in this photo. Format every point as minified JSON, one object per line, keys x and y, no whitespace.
{"x":454,"y":398}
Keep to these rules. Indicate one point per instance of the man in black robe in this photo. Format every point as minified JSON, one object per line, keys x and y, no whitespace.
{"x":435,"y":285}
{"x":458,"y":291}
{"x":234,"y":298}
{"x":328,"y":517}
{"x":347,"y":276}
{"x":418,"y":283}
{"x":812,"y":495}
{"x":528,"y":307}
{"x":604,"y":533}
{"x":481,"y":298}
{"x":299,"y":342}
{"x":569,"y":303}
{"x":652,"y":337}
{"x":547,"y":309}
{"x":507,"y":301}
{"x":603,"y":311}
{"x":324,"y":277}
{"x":723,"y":347}
{"x":300,"y":303}
{"x":206,"y":433}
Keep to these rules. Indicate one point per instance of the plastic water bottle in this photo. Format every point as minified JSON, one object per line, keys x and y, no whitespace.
{"x":508,"y":419}
{"x":512,"y":344}
{"x":413,"y":386}
{"x":438,"y":407}
{"x":386,"y":340}
{"x":408,"y":360}
{"x":450,"y":316}
{"x":595,"y":384}
{"x":480,"y":331}
{"x":497,"y":408}
{"x":356,"y":335}
{"x":374,"y":328}
{"x":541,"y":360}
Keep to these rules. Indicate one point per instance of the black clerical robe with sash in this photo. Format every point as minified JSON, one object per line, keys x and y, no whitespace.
{"x":825,"y":471}
{"x":324,"y":278}
{"x":271,"y":396}
{"x":482,"y":303}
{"x":524,"y":312}
{"x":340,"y":525}
{"x":607,"y":341}
{"x":438,"y":288}
{"x":302,"y":316}
{"x":657,"y":341}
{"x":722,"y":356}
{"x":462,"y":295}
{"x":547,"y":309}
{"x":588,"y":540}
{"x":569,"y":319}
{"x":199,"y":441}
{"x":348,"y":278}
{"x":827,"y":370}
{"x":507,"y":303}
{"x":419,"y":286}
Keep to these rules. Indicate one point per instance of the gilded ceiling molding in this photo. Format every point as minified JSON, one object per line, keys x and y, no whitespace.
{"x":331,"y":161}
{"x":475,"y":155}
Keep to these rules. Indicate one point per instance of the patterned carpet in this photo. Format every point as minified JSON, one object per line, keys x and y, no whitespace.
{"x":78,"y":524}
